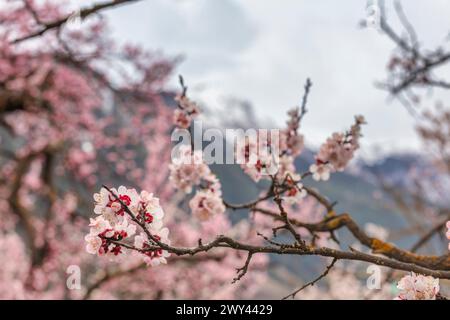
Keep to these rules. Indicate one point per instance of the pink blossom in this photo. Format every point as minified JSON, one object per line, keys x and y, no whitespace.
{"x":295,"y":191}
{"x":206,"y":204}
{"x":115,"y":224}
{"x":188,"y":169}
{"x":186,"y":104}
{"x":285,"y":165}
{"x":181,"y":119}
{"x":320,"y":171}
{"x":418,"y":287}
{"x":111,"y":207}
{"x":291,"y":142}
{"x":187,"y":110}
{"x":258,"y":170}
{"x":157,"y":256}
{"x":256,"y":160}
{"x":260,"y":157}
{"x":98,"y":225}
{"x":94,"y":242}
{"x":151,"y":210}
{"x":337,"y":151}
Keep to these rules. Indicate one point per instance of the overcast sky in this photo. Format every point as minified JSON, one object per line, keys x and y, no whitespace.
{"x":262,"y":52}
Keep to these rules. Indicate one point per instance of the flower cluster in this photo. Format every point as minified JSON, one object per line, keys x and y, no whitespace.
{"x":186,"y":112}
{"x":207,"y":203}
{"x":337,"y":151}
{"x":266,"y":158}
{"x":102,"y":236}
{"x":120,"y":212}
{"x":417,"y":287}
{"x":291,"y":145}
{"x":157,"y":256}
{"x":291,"y":142}
{"x":257,"y":158}
{"x":295,"y":191}
{"x":189,"y":170}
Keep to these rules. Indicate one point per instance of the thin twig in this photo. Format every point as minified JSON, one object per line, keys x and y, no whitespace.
{"x":313,"y":282}
{"x":243,"y":270}
{"x":303,"y":109}
{"x":83,"y":13}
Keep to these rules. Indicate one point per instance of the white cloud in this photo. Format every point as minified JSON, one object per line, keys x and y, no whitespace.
{"x":263,"y":50}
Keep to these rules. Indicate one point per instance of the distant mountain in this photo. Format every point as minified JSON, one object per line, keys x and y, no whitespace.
{"x":403,"y":171}
{"x":393,"y":168}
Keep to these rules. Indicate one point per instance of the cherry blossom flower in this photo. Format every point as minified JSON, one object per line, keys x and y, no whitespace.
{"x":102,"y":234}
{"x":153,"y":257}
{"x":151,"y":210}
{"x":107,"y":205}
{"x":256,"y":159}
{"x":188,"y":169}
{"x":285,"y":165}
{"x":187,"y":110}
{"x":114,"y":225}
{"x":206,"y":204}
{"x":418,"y":287}
{"x":101,"y":199}
{"x":125,"y":229}
{"x":186,"y":104}
{"x":291,"y":142}
{"x":295,"y":191}
{"x":258,"y":170}
{"x":181,"y":119}
{"x":213,"y":184}
{"x":98,"y":225}
{"x":337,"y":151}
{"x":94,"y":242}
{"x":320,"y":171}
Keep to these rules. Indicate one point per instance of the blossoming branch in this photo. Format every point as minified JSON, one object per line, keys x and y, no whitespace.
{"x":123,"y":211}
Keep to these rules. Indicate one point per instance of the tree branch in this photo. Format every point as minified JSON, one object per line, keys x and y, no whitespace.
{"x":313,"y":282}
{"x":83,"y":13}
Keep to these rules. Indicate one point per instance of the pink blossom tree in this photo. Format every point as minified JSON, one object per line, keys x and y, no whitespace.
{"x":81,"y":115}
{"x":76,"y":110}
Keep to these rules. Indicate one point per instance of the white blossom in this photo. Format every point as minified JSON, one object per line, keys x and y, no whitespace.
{"x":320,"y":171}
{"x":418,"y":287}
